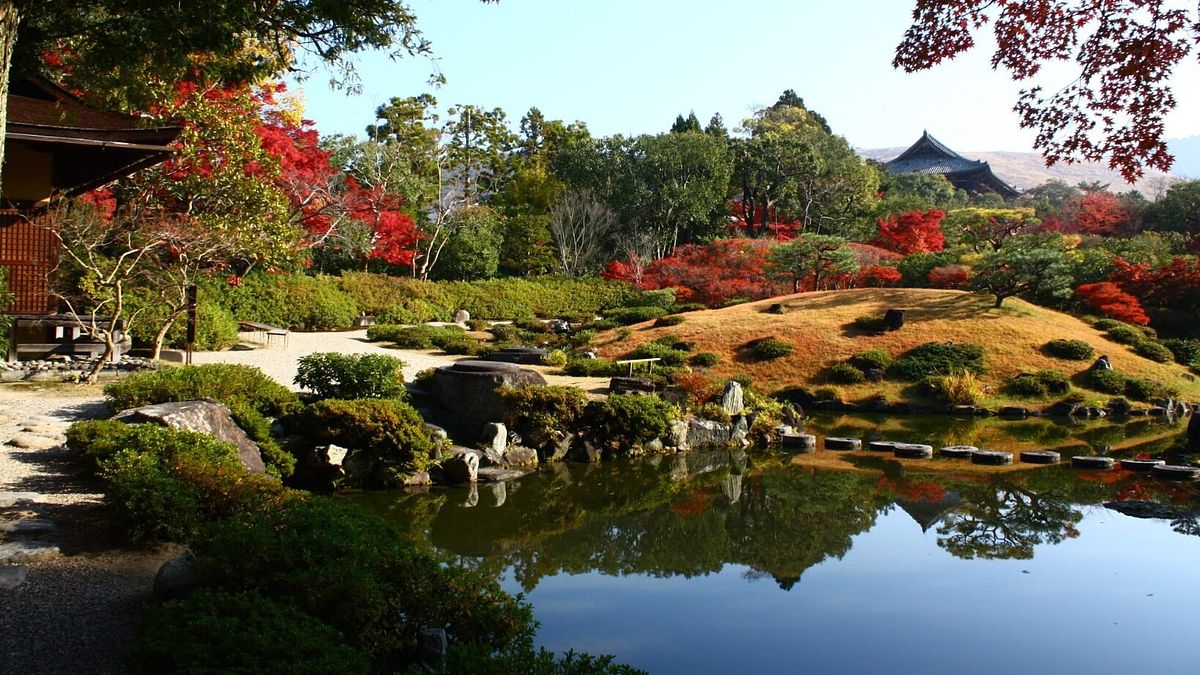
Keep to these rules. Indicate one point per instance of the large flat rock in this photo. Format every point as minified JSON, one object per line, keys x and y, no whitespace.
{"x":202,"y":416}
{"x":28,"y":552}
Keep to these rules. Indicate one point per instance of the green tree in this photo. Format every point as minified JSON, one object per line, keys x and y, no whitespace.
{"x":1032,"y":265}
{"x":476,"y":147}
{"x":716,"y":127}
{"x":683,"y":125}
{"x":988,"y":228}
{"x":681,"y":178}
{"x":1177,"y":211}
{"x":812,"y":255}
{"x":473,"y":249}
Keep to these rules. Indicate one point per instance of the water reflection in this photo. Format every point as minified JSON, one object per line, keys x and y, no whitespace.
{"x":692,"y":515}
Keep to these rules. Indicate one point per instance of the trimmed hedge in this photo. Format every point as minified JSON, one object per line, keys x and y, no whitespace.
{"x":1155,"y":351}
{"x":1126,"y":335}
{"x":623,"y":422}
{"x":872,"y":358}
{"x":765,"y":349}
{"x":349,"y":376}
{"x":1072,"y":350}
{"x":668,"y":356}
{"x":543,"y":415}
{"x":704,"y":359}
{"x":390,"y":431}
{"x":292,"y":301}
{"x":1039,"y":384}
{"x":937,"y":358}
{"x":1186,"y":352}
{"x":1108,"y":381}
{"x":845,"y":373}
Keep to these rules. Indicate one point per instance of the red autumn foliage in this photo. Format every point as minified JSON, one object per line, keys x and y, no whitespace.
{"x":693,"y":503}
{"x":1175,"y":285}
{"x":713,"y":273}
{"x":761,"y":224}
{"x":949,"y":276}
{"x":912,"y":490}
{"x":876,"y":276}
{"x":1108,"y":299}
{"x":618,"y":271}
{"x":912,"y":232}
{"x":867,"y":255}
{"x":699,"y":389}
{"x":1098,"y":213}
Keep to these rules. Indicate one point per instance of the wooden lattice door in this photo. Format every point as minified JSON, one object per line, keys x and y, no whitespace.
{"x":29,"y":251}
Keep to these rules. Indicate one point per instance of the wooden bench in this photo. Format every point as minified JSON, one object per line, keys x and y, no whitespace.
{"x":632,"y":362}
{"x":266,"y":330}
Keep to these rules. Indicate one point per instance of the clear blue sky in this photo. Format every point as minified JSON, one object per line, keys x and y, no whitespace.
{"x":629,"y":66}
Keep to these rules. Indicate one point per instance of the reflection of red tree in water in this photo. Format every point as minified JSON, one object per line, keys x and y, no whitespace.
{"x":693,"y":503}
{"x":912,"y":490}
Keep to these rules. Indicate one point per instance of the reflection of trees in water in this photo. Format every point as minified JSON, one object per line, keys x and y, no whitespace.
{"x":1005,"y":520}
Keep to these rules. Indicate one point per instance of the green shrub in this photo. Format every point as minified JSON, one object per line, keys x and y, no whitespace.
{"x":621,"y":422}
{"x":1107,"y":324}
{"x":556,"y":358}
{"x":1107,"y":381}
{"x":958,"y":388}
{"x":872,"y":323}
{"x":668,"y":321}
{"x":424,"y":379}
{"x":506,"y":333}
{"x":250,"y":395}
{"x":222,"y":632}
{"x":478,"y":324}
{"x":1155,"y":351}
{"x":664,"y":298}
{"x":593,"y":368}
{"x":654,"y":350}
{"x":713,"y":411}
{"x":1039,"y":384}
{"x":1142,"y":389}
{"x":1126,"y":335}
{"x":937,"y":358}
{"x":688,"y":307}
{"x":827,"y":394}
{"x":216,"y":328}
{"x":544,"y":415}
{"x":765,"y":349}
{"x":390,"y":431}
{"x":844,"y":373}
{"x":356,"y":572}
{"x":348,"y":376}
{"x":627,"y":316}
{"x":163,"y":483}
{"x":96,"y":440}
{"x":704,"y":359}
{"x":291,"y":301}
{"x":1186,"y":352}
{"x":872,"y":358}
{"x":1072,"y":350}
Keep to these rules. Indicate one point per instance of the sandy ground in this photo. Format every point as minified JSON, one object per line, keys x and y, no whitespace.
{"x":74,"y":613}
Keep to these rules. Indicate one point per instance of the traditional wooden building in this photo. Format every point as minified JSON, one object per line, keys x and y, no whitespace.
{"x":929,"y":156}
{"x":58,"y":145}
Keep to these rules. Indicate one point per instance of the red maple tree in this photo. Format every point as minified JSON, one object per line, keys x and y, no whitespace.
{"x":1108,"y":299}
{"x":912,"y":232}
{"x":713,"y":273}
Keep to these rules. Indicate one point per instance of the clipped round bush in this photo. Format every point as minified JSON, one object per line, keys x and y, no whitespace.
{"x":872,"y":358}
{"x":845,"y":373}
{"x":669,"y":320}
{"x":390,"y":432}
{"x":654,"y":350}
{"x":543,"y":415}
{"x":1108,"y":381}
{"x":1142,"y":389}
{"x":623,"y":422}
{"x":1155,"y":351}
{"x":937,"y":358}
{"x":688,"y":307}
{"x":704,"y":359}
{"x":1056,"y":382}
{"x":1126,"y":335}
{"x":1028,"y":386}
{"x":714,"y":412}
{"x":556,"y":358}
{"x":627,"y":316}
{"x":349,"y":376}
{"x":1107,"y":324}
{"x":593,"y":368}
{"x":872,"y":323}
{"x":1072,"y":350}
{"x":1186,"y":352}
{"x":766,"y":349}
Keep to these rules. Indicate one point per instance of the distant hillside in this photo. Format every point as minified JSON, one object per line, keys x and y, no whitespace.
{"x":1027,"y":169}
{"x":1187,"y":156}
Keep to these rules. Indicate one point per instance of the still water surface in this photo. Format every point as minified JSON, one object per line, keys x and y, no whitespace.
{"x":747,"y":562}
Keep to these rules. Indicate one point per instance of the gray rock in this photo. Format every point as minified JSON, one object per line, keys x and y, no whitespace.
{"x":418,"y":479}
{"x":701,"y":433}
{"x":12,"y":576}
{"x":741,"y":429}
{"x":1118,"y":406}
{"x":875,"y":375}
{"x":462,"y":316}
{"x":1101,"y":363}
{"x":677,"y":435}
{"x":360,"y":468}
{"x":519,"y":455}
{"x":28,"y":552}
{"x":559,"y":448}
{"x":654,"y":447}
{"x":332,"y":455}
{"x":494,"y":441}
{"x":630,"y":385}
{"x":733,"y":400}
{"x":1014,"y":411}
{"x":176,"y":578}
{"x":592,"y":453}
{"x":1061,"y":409}
{"x":204,"y":416}
{"x":9,"y":499}
{"x":792,"y":416}
{"x":494,"y":474}
{"x":27,"y":527}
{"x":34,"y":442}
{"x":893,"y":319}
{"x":461,"y":468}
{"x":529,"y":356}
{"x":470,"y":390}
{"x":436,"y":433}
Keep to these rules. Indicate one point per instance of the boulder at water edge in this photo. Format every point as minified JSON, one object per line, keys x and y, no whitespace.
{"x":469,"y":391}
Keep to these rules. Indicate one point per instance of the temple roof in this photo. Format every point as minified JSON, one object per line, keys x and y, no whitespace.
{"x":929,"y":156}
{"x":91,"y":147}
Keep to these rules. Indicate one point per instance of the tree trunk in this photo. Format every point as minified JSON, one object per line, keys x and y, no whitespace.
{"x":9,"y":18}
{"x":999,"y":300}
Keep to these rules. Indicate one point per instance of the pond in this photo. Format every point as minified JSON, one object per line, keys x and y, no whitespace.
{"x":725,"y":561}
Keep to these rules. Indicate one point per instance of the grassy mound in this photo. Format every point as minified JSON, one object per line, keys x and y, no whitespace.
{"x":820,"y":327}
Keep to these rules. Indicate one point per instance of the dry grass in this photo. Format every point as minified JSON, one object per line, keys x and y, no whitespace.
{"x":820,"y":327}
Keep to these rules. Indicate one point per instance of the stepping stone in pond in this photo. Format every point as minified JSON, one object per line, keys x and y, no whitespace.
{"x":12,"y":576}
{"x":803,"y":443}
{"x":27,"y":527}
{"x":1141,"y":464}
{"x":1095,"y":463}
{"x":9,"y":499}
{"x":1176,"y":472}
{"x":1040,"y":457}
{"x":882,"y":446}
{"x":914,"y":451}
{"x":28,"y":552}
{"x":958,"y":451}
{"x":991,"y":457}
{"x":33,"y":442}
{"x":842,"y":443}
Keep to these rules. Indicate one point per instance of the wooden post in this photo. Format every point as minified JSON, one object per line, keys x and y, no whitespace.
{"x":191,"y":324}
